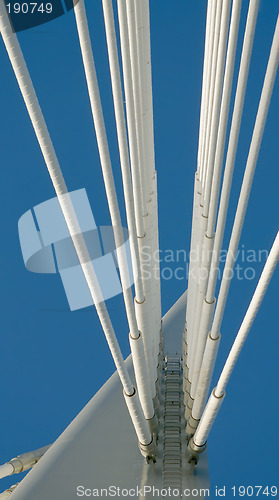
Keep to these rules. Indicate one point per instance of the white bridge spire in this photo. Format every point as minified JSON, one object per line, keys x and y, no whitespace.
{"x":166,"y":380}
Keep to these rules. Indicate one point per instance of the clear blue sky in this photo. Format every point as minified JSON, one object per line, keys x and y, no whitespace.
{"x":52,"y":361}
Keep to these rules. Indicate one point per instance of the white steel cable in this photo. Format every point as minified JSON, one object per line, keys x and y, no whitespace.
{"x":149,"y":97}
{"x":203,"y":316}
{"x":143,"y":310}
{"x":224,"y":113}
{"x":215,"y":19}
{"x":207,"y":308}
{"x":137,"y":76}
{"x":217,"y":94}
{"x":6,"y":470}
{"x":204,"y":79}
{"x":122,"y":141}
{"x":196,"y":301}
{"x":207,"y":243}
{"x":218,"y":393}
{"x":197,"y":279}
{"x":206,"y":180}
{"x":233,"y":141}
{"x":97,"y":113}
{"x":96,"y":107}
{"x":142,"y":91}
{"x":151,"y":153}
{"x":146,"y":256}
{"x":137,"y":27}
{"x":193,"y":282}
{"x":130,"y":12}
{"x":189,"y":308}
{"x":155,"y":256}
{"x":203,"y":384}
{"x":249,"y":317}
{"x":22,"y":462}
{"x":213,"y":338}
{"x":247,"y":180}
{"x":197,"y":175}
{"x":191,"y":285}
{"x":199,"y":288}
{"x":206,"y":372}
{"x":207,"y":86}
{"x":192,"y":270}
{"x":210,"y":90}
{"x":125,"y":166}
{"x":150,"y":218}
{"x":41,"y":131}
{"x":130,"y":109}
{"x":239,"y":100}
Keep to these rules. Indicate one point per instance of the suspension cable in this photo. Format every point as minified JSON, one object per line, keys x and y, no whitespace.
{"x":141,"y":369}
{"x":207,"y":307}
{"x":41,"y":131}
{"x":217,"y":396}
{"x":213,"y":339}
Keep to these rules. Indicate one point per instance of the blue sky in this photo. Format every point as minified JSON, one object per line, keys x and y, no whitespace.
{"x":53,"y":360}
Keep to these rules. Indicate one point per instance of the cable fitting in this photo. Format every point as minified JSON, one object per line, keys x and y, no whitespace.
{"x":149,"y":451}
{"x":195,"y":451}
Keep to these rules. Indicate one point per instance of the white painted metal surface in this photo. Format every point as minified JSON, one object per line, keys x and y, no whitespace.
{"x":99,"y":448}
